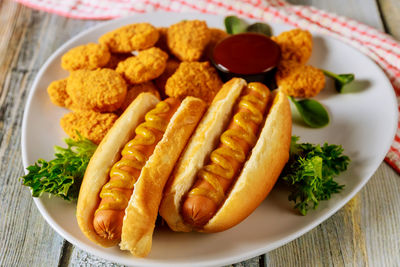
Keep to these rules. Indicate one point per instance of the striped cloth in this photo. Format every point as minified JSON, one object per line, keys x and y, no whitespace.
{"x":379,"y":46}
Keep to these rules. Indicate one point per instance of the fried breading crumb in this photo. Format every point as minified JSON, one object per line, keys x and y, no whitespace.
{"x":295,"y":45}
{"x":197,"y":79}
{"x":299,"y":80}
{"x":129,"y":38}
{"x":90,"y":124}
{"x":148,"y":65}
{"x":89,"y":57}
{"x":135,"y":89}
{"x":188,"y":39}
{"x":101,"y":90}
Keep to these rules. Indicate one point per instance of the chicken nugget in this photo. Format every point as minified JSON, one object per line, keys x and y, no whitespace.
{"x":295,"y":45}
{"x":172,"y":66}
{"x":101,"y":90}
{"x":88,"y":57}
{"x":188,"y":39}
{"x":90,"y":124}
{"x":58,"y":93}
{"x":197,"y":79}
{"x":129,"y":38}
{"x":299,"y":80}
{"x":135,"y":89}
{"x":148,"y":65}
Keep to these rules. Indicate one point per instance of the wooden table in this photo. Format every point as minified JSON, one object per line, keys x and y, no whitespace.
{"x":365,"y":232}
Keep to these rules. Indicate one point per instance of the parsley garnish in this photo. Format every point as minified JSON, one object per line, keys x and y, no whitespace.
{"x":63,"y":175}
{"x":310,"y":173}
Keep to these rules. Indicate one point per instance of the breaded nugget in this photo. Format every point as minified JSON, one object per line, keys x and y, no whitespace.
{"x":172,"y":66}
{"x":295,"y":45}
{"x":87,"y":57}
{"x":197,"y":79}
{"x":129,"y":38}
{"x":115,"y":59}
{"x":187,"y":39}
{"x":148,"y":65}
{"x":101,"y":90}
{"x":58,"y":93}
{"x":135,"y":89}
{"x":299,"y":80}
{"x":90,"y":124}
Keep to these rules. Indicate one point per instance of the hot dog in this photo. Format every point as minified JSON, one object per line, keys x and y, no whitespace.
{"x":123,"y":183}
{"x":231,"y":162}
{"x":116,"y":193}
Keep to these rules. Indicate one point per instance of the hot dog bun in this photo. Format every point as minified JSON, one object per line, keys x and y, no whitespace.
{"x":106,"y":154}
{"x":258,"y":175}
{"x":141,"y":212}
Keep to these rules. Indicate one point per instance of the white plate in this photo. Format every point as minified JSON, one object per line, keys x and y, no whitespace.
{"x":363,"y":122}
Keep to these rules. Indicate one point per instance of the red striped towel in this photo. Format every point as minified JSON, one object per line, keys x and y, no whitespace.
{"x":379,"y":46}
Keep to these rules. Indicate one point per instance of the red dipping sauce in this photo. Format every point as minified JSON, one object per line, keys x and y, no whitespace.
{"x":246,"y":54}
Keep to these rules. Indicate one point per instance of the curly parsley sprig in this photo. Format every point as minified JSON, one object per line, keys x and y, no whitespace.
{"x":63,"y":175}
{"x":310,"y":173}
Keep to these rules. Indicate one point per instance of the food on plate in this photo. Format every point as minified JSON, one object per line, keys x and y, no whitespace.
{"x":295,"y":45}
{"x":146,"y":66}
{"x":188,"y":39}
{"x":57,"y":92}
{"x":216,"y":168}
{"x":61,"y":176}
{"x":108,"y":212}
{"x":89,"y":124}
{"x":88,"y":57}
{"x":197,"y":79}
{"x":235,"y":25}
{"x":340,"y":80}
{"x":311,"y":111}
{"x":235,"y":113}
{"x":101,"y":90}
{"x":135,"y":89}
{"x":251,"y":56}
{"x":130,"y":38}
{"x":310,"y":172}
{"x":299,"y":80}
{"x":116,"y":58}
{"x":172,"y":66}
